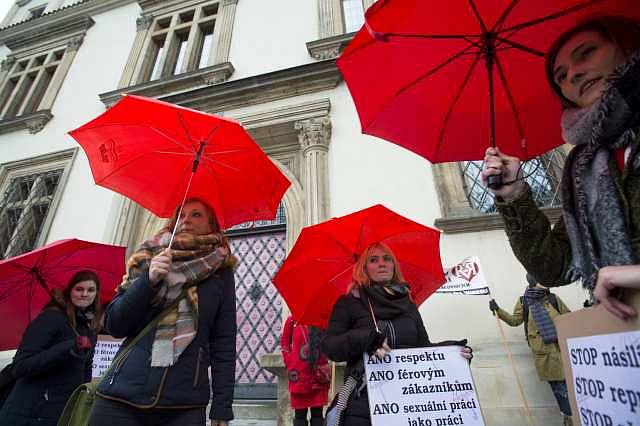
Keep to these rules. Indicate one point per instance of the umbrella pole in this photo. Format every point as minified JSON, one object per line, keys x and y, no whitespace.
{"x":494,"y":181}
{"x":513,"y":367}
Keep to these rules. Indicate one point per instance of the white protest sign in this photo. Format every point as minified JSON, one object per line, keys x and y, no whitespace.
{"x":466,"y":277}
{"x":422,"y":387}
{"x":606,"y":378}
{"x":105,"y":351}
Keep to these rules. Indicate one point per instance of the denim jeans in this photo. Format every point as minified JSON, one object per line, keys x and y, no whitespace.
{"x":559,"y":388}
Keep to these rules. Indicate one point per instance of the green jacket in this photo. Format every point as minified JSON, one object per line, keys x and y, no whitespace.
{"x":545,"y":252}
{"x":547,"y":356}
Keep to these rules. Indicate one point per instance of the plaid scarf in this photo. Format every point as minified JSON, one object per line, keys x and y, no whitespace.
{"x":534,"y":299}
{"x":593,"y":206}
{"x":194,"y":259}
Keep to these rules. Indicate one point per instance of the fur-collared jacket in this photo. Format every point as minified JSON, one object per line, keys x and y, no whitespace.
{"x":47,"y":368}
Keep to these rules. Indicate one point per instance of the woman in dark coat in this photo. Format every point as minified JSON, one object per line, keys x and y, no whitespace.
{"x":594,"y":69}
{"x":55,"y":355}
{"x":377,"y":280}
{"x":164,"y":379}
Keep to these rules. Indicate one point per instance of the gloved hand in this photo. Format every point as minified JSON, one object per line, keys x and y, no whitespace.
{"x":376,"y":342}
{"x":83,"y":343}
{"x":493,"y":306}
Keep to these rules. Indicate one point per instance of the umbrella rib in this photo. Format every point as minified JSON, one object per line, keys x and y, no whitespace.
{"x":9,"y":292}
{"x":429,"y":36}
{"x":504,"y":15}
{"x":514,"y":108}
{"x":453,"y":104}
{"x":186,"y":131}
{"x":522,"y":47}
{"x":417,"y":80}
{"x":472,"y":3}
{"x":556,"y":15}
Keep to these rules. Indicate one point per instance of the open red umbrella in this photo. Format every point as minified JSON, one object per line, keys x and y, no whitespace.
{"x":318,"y":269}
{"x":154,"y":152}
{"x":445,"y":79}
{"x":26,"y":281}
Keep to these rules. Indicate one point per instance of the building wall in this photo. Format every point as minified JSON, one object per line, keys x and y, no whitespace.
{"x":363,"y":170}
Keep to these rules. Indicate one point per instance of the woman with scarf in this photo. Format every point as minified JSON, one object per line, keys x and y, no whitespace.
{"x":309,"y":371}
{"x":537,"y":309}
{"x":595,"y":71}
{"x":378,"y":289}
{"x":164,"y":379}
{"x":56,"y":354}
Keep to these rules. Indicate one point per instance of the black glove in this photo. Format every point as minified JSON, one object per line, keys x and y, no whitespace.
{"x":375,"y":342}
{"x":493,"y":306}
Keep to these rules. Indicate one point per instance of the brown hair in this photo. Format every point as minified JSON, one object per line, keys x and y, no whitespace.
{"x":62,"y":299}
{"x":360,"y":276}
{"x":623,"y":32}
{"x":213,"y":221}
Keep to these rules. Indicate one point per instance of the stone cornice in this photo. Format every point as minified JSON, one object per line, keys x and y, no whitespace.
{"x":485,"y":222}
{"x":330,"y":47}
{"x":33,"y":122}
{"x":75,"y":25}
{"x":308,"y":78}
{"x":55,"y":20}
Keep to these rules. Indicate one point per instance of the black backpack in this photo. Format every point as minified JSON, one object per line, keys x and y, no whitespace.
{"x":7,"y":381}
{"x":525,"y":311}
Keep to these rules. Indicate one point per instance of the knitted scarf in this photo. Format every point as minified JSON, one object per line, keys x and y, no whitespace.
{"x":593,"y":203}
{"x":534,"y":299}
{"x":193,"y":260}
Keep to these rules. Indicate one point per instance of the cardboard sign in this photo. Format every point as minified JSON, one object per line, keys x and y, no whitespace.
{"x":422,"y":387}
{"x":601,"y":359}
{"x":465,"y":278}
{"x":106,"y":349}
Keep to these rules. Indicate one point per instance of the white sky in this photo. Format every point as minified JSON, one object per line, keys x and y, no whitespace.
{"x":5,"y":5}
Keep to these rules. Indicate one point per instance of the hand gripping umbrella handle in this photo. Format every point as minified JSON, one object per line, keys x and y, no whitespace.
{"x":494,"y":181}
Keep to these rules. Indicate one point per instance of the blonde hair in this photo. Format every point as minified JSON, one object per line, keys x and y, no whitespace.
{"x":361,"y":278}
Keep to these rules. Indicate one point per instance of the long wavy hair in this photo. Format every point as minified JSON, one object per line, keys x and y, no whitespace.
{"x":361,"y":278}
{"x":316,"y":336}
{"x":62,"y":300}
{"x":622,"y":31}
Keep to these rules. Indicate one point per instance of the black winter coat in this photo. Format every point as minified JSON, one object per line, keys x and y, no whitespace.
{"x":351,"y":333}
{"x":47,"y":369}
{"x":186,"y":383}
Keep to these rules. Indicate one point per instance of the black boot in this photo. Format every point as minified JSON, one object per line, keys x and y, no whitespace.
{"x":301,"y":422}
{"x":317,"y":421}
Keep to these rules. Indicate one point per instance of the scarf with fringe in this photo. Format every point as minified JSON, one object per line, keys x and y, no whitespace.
{"x":194,"y":259}
{"x":594,"y":206}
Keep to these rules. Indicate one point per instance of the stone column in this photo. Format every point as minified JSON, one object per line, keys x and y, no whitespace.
{"x":222,"y":32}
{"x":5,"y":68}
{"x":314,"y":137}
{"x":131,"y":72}
{"x":330,"y":15}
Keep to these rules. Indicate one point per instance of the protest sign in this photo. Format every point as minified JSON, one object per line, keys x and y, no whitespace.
{"x":106,"y":349}
{"x":422,"y":387}
{"x":466,"y":278}
{"x":601,"y":359}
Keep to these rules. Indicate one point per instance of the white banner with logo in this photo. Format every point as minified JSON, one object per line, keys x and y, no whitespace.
{"x":466,"y":278}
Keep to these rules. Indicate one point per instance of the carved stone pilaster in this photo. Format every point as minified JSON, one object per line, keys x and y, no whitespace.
{"x":7,"y":63}
{"x":75,"y":43}
{"x":144,"y":22}
{"x":330,"y":16}
{"x":314,"y":137}
{"x":219,"y":74}
{"x":36,"y":122}
{"x":223,"y":30}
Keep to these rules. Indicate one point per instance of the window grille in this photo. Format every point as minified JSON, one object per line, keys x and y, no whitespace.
{"x":542,"y":174}
{"x":280,"y":219}
{"x":23,"y":210}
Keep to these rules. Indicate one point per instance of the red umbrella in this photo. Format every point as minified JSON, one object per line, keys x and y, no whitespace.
{"x":26,"y":281}
{"x":444,"y":79}
{"x":153,"y":152}
{"x":318,"y":269}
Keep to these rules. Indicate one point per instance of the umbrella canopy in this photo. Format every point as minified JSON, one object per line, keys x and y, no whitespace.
{"x":150,"y":151}
{"x":446,"y":79}
{"x":318,"y":269}
{"x":27,"y":280}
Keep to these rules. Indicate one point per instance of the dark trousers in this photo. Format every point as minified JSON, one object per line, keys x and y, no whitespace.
{"x":559,"y":388}
{"x":112,"y":413}
{"x":301,"y":413}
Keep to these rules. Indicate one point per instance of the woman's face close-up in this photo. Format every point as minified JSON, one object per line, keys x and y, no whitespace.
{"x":380,"y":266}
{"x":582,"y":66}
{"x":194,"y":219}
{"x":83,"y":294}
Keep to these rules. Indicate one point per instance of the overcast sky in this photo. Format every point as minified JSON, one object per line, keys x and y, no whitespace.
{"x":5,"y":5}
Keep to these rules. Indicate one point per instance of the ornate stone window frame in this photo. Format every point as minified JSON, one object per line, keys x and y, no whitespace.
{"x":331,"y":35}
{"x":32,"y":74}
{"x":158,"y":13}
{"x":61,"y":160}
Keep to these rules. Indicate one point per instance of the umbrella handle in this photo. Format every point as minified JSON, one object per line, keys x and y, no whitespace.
{"x":494,"y":181}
